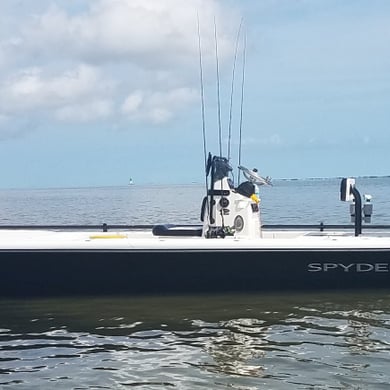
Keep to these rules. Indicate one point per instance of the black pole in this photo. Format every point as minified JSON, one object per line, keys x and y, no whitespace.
{"x":358,"y":210}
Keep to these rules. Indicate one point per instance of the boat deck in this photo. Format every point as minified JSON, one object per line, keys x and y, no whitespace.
{"x":143,"y":239}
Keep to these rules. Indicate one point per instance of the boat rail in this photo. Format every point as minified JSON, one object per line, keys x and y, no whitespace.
{"x":106,"y":227}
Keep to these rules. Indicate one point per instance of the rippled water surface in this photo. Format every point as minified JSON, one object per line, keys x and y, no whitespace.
{"x":309,"y":341}
{"x":327,"y":341}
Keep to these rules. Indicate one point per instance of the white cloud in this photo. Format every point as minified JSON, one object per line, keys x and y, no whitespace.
{"x":133,"y":102}
{"x":86,"y":112}
{"x":32,"y":89}
{"x":157,"y":107}
{"x":152,"y":34}
{"x":138,"y":59}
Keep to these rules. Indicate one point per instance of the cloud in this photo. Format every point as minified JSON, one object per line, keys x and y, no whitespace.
{"x":33,"y":88}
{"x":133,"y":102}
{"x":93,"y":110}
{"x":157,"y":107}
{"x":136,"y":59}
{"x":153,"y":33}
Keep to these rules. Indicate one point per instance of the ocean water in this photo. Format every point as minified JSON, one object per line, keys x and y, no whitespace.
{"x":286,"y":202}
{"x":328,"y":340}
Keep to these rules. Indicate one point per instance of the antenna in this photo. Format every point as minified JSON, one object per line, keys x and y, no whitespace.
{"x":218,"y":88}
{"x":241,"y":104}
{"x":232,"y":90}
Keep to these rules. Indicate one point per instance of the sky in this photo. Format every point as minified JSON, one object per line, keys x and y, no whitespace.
{"x":93,"y":92}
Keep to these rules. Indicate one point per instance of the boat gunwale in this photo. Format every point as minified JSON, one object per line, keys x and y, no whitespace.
{"x":107,"y":227}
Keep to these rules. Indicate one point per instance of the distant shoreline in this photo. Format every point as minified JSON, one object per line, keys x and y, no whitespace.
{"x":333,"y":178}
{"x":192,"y":183}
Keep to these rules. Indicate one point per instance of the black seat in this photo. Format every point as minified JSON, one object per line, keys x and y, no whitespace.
{"x":177,"y":230}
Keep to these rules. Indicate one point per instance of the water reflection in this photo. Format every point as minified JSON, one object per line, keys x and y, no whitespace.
{"x":233,"y":345}
{"x":241,"y":342}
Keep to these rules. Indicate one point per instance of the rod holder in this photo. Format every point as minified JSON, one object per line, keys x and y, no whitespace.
{"x":358,"y":210}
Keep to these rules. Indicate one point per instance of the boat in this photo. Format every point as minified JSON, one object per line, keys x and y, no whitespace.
{"x":230,"y":250}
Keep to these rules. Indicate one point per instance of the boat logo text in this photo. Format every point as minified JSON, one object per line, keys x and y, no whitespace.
{"x":351,"y":267}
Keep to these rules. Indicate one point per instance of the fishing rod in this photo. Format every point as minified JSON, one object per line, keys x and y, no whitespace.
{"x":210,"y":161}
{"x":232,"y":91}
{"x":208,"y":200}
{"x":218,"y":89}
{"x":241,"y":106}
{"x":205,"y":205}
{"x":202,"y":96}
